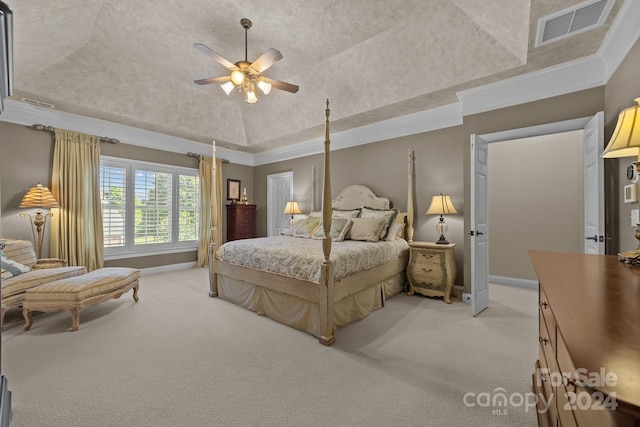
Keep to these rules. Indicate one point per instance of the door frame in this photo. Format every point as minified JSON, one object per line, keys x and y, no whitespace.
{"x":272,"y":211}
{"x":512,"y":134}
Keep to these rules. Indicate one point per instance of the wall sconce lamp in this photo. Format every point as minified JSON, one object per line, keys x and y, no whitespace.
{"x":292,"y":209}
{"x":38,"y":197}
{"x":441,"y":205}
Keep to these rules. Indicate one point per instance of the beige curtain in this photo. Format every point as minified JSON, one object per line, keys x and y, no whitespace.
{"x":76,"y":227}
{"x":209,"y":207}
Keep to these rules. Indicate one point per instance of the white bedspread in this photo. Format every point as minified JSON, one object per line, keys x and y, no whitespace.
{"x":301,"y":258}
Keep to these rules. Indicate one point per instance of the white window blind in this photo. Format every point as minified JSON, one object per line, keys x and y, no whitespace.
{"x":148,"y":208}
{"x":152,"y":207}
{"x":113,"y":183}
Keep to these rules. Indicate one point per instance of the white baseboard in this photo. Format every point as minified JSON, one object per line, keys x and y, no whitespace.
{"x":513,"y":281}
{"x":166,"y":268}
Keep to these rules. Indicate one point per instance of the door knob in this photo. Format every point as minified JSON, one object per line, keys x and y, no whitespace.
{"x":594,"y":238}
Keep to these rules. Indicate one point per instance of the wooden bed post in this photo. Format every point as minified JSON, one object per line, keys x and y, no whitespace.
{"x":409,"y":232}
{"x":326,"y":283}
{"x":213,"y":280}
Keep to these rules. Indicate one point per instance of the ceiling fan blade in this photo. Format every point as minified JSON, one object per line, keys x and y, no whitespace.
{"x":202,"y":48}
{"x":210,"y":80}
{"x":266,"y":60}
{"x":280,"y":85}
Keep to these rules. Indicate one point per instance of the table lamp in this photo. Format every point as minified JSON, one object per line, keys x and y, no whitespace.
{"x":441,"y":205}
{"x":292,"y":209}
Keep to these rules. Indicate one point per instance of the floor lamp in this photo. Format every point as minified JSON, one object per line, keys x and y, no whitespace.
{"x":38,"y":197}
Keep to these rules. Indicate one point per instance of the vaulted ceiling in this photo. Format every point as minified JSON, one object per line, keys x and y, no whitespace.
{"x":132,"y":62}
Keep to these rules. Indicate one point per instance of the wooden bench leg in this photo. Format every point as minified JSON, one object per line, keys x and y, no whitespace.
{"x":28,"y":320}
{"x":75,"y":318}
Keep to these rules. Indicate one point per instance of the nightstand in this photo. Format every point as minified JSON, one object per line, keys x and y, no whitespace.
{"x":431,"y":270}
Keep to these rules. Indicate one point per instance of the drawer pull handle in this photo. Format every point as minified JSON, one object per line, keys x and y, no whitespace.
{"x":543,"y":304}
{"x":427,"y":270}
{"x":544,"y":341}
{"x":568,"y":382}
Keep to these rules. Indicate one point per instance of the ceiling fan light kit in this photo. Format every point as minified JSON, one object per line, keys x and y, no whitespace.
{"x":245,"y":75}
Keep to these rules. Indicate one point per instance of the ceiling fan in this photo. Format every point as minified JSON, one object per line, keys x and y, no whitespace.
{"x":245,"y":76}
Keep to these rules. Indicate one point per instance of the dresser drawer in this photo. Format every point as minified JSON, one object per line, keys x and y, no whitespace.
{"x":549,"y":319}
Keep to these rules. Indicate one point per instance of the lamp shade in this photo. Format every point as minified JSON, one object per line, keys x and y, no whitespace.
{"x":39,"y":197}
{"x":292,"y":208}
{"x":625,"y":141}
{"x":440,"y":205}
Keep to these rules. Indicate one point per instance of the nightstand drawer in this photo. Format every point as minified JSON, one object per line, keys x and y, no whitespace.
{"x":426,"y":256}
{"x":429,"y":276}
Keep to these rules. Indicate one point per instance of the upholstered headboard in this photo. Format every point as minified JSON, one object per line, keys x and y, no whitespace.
{"x":357,"y":196}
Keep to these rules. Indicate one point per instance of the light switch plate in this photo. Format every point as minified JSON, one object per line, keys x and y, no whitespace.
{"x":635,"y":217}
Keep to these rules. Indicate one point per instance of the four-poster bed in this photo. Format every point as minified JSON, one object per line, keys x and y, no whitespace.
{"x":301,"y":282}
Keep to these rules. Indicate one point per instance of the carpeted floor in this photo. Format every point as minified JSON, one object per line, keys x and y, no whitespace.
{"x":180,"y":358}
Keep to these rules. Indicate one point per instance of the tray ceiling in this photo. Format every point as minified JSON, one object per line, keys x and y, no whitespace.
{"x":133,"y":62}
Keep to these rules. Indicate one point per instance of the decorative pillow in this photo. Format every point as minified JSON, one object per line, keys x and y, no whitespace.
{"x":296,"y":224}
{"x":307,"y":228}
{"x":388,"y":215}
{"x":11,"y":268}
{"x":345,"y":213}
{"x":339,"y":228}
{"x":395,"y":231}
{"x":316,"y":214}
{"x":367,"y":229}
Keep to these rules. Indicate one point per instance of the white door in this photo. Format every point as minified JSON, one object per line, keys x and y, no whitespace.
{"x":594,"y":185}
{"x":279,"y":192}
{"x":479,"y":225}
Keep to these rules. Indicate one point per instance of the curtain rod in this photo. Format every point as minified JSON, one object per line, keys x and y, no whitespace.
{"x":197,"y":156}
{"x":52,"y":129}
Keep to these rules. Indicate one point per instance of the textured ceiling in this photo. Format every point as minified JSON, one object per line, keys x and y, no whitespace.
{"x":133,"y":62}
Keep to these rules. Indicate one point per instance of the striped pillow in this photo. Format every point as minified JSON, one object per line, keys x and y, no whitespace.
{"x":11,"y":268}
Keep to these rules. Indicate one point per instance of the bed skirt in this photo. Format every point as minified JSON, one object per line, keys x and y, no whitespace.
{"x":302,"y":314}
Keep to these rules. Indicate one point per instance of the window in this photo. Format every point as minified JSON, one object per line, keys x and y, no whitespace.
{"x":148,"y":207}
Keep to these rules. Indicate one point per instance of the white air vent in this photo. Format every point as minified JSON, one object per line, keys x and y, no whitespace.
{"x":37,"y":103}
{"x":583,"y":17}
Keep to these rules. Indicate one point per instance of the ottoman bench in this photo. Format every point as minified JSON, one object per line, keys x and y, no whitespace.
{"x":73,"y":293}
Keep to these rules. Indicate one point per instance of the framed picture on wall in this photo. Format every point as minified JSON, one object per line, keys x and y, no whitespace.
{"x":233,"y":189}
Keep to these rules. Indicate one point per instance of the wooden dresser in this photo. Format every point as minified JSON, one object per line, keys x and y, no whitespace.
{"x":588,"y":371}
{"x":431,"y":270}
{"x":241,"y":222}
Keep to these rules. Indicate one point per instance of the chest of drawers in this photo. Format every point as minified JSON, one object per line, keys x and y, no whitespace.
{"x":588,"y":368}
{"x":431,"y":270}
{"x":241,"y":221}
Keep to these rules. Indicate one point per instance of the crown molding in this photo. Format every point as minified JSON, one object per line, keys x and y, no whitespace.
{"x":410,"y":124}
{"x":25,"y":114}
{"x":565,"y":78}
{"x":621,"y":37}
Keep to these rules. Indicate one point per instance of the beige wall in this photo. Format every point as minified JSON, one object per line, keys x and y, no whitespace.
{"x":383,"y":167}
{"x":26,"y":158}
{"x":621,"y":90}
{"x":535,"y":200}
